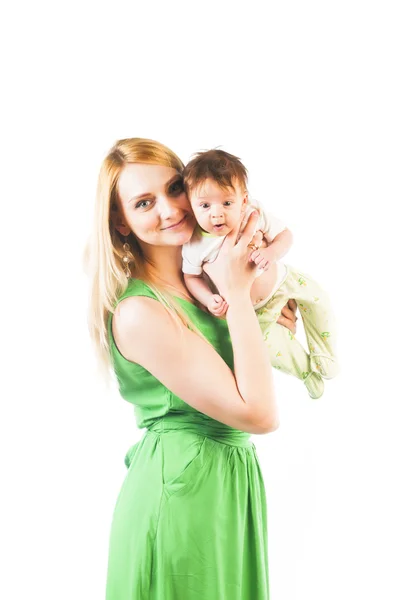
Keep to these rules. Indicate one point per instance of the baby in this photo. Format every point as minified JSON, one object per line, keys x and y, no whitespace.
{"x":216,"y":184}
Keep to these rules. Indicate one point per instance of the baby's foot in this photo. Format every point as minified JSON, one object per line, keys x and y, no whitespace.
{"x":314,"y":384}
{"x":326,"y":366}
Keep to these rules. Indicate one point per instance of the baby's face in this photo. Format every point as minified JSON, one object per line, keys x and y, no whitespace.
{"x":217,"y":210}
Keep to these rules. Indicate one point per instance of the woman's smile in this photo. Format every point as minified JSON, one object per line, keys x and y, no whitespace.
{"x":176,"y":225}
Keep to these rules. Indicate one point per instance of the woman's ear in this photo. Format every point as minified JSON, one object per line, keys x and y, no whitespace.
{"x":118,"y":222}
{"x":123,"y":229}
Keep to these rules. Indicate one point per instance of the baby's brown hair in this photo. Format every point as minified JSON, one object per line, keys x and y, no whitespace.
{"x":225,"y":169}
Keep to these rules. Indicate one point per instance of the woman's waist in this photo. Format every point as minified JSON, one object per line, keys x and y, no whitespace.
{"x":196,"y":422}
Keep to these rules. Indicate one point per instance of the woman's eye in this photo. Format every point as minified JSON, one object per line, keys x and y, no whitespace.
{"x":143,"y":204}
{"x":177,"y":187}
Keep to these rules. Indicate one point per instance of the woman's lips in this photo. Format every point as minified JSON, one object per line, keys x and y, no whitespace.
{"x":175,"y":225}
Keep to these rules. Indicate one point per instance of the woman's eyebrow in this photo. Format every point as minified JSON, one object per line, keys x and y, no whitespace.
{"x":166,"y":185}
{"x":172,"y":179}
{"x":139,"y":197}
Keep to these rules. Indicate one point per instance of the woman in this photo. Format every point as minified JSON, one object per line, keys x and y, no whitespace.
{"x":190,"y":519}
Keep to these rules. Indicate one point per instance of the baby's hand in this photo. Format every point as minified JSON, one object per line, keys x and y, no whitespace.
{"x":217,"y":305}
{"x":263,"y":258}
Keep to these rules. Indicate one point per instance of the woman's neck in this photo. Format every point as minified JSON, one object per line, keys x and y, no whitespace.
{"x":164,"y":266}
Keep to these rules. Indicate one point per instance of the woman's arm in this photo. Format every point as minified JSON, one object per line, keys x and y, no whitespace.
{"x":187,"y":365}
{"x":252,"y":367}
{"x":190,"y":367}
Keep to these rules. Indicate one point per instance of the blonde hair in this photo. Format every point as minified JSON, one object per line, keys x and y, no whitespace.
{"x":104,"y":252}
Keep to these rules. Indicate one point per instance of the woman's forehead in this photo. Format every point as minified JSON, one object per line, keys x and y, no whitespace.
{"x":137,"y":179}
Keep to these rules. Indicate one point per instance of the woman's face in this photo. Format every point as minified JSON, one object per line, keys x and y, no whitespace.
{"x":154,"y":206}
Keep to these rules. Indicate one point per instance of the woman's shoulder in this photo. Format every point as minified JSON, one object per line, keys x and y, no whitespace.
{"x":135,"y":295}
{"x":136,"y":287}
{"x":139,"y":318}
{"x":134,"y":307}
{"x":134,"y":312}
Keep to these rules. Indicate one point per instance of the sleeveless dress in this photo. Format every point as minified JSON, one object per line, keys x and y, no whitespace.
{"x":190,"y":521}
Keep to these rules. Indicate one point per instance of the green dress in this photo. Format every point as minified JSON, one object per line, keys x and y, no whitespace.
{"x":190,"y":521}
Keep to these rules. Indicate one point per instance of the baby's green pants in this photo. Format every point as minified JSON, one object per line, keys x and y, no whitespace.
{"x":286,"y":352}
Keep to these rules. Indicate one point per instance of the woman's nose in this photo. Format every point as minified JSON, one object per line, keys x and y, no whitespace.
{"x":167,"y":207}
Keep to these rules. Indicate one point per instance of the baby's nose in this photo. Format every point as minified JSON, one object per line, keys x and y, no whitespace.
{"x":216,"y":212}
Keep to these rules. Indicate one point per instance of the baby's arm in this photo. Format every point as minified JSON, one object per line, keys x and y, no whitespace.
{"x":276,"y":249}
{"x":201,"y":291}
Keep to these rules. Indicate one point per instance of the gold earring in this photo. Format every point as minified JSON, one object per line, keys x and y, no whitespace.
{"x":127,"y":259}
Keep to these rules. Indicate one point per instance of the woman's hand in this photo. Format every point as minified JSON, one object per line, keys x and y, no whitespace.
{"x":232,"y":272}
{"x":288,"y":317}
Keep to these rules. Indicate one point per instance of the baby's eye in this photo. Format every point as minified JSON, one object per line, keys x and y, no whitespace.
{"x":177,"y":187}
{"x":204,"y":205}
{"x":228,"y":203}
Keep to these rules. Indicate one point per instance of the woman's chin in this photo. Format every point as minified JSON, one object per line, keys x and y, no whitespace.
{"x":184,"y":237}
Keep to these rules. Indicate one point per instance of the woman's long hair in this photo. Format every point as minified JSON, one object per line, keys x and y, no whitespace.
{"x":104,"y":252}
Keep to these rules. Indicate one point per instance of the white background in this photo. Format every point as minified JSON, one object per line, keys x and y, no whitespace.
{"x":305,"y":93}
